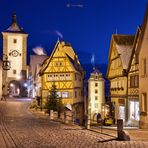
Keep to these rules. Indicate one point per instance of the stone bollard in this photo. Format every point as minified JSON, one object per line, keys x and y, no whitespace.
{"x":122,"y":135}
{"x":51,"y":114}
{"x":88,"y":121}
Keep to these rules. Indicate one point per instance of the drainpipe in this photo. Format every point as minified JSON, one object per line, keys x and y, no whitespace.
{"x":126,"y":116}
{"x":41,"y":92}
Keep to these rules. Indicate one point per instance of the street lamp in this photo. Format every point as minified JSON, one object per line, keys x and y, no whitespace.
{"x":6,"y":63}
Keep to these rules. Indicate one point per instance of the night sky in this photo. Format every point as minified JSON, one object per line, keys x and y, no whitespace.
{"x":86,"y":24}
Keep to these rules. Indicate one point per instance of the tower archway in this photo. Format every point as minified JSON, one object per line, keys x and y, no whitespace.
{"x":14,"y":88}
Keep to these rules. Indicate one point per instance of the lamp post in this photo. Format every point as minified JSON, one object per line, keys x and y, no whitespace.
{"x":6,"y":66}
{"x":6,"y":63}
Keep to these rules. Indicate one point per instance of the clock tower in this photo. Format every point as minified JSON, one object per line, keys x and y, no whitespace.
{"x":15,"y":48}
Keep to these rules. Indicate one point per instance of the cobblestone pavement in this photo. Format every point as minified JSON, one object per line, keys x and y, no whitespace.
{"x":22,"y":129}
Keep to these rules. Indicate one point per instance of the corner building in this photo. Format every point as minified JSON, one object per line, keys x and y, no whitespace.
{"x":64,"y":70}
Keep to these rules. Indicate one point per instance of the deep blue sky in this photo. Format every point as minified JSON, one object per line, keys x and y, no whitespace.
{"x":88,"y":29}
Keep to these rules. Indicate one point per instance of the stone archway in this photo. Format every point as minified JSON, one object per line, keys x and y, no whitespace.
{"x":14,"y":88}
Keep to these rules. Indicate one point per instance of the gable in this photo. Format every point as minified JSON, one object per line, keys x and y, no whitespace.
{"x":59,"y":61}
{"x":63,"y":58}
{"x":114,"y":60}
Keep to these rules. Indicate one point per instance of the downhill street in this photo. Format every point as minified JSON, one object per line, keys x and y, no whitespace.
{"x":20,"y":128}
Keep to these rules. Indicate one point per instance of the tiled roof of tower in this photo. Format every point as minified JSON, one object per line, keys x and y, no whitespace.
{"x":14,"y":27}
{"x":95,"y":70}
{"x":124,"y":46}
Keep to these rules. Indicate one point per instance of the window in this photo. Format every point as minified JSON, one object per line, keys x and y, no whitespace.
{"x":144,"y":67}
{"x":134,"y":81}
{"x":14,"y":41}
{"x":96,"y":84}
{"x":131,"y":81}
{"x":96,"y":98}
{"x":75,"y":76}
{"x":96,"y":105}
{"x":49,"y":77}
{"x":144,"y":102}
{"x":96,"y":91}
{"x":59,"y":94}
{"x":75,"y":94}
{"x":67,"y":76}
{"x":14,"y":71}
{"x":62,"y":77}
{"x":96,"y":77}
{"x":64,"y":94}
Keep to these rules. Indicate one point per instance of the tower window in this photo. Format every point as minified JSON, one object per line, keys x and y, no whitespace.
{"x":96,"y":84}
{"x":96,"y":105}
{"x":14,"y":41}
{"x":96,"y":91}
{"x":14,"y":71}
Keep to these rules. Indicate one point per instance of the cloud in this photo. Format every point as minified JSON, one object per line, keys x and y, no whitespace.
{"x":59,"y":34}
{"x":39,"y":50}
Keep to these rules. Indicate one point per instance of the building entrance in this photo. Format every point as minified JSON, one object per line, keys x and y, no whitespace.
{"x":14,"y":88}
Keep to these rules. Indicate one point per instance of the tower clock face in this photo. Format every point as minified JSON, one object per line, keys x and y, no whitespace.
{"x":15,"y":53}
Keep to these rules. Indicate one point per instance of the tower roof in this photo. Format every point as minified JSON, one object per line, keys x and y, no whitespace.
{"x":95,"y":71}
{"x":14,"y":27}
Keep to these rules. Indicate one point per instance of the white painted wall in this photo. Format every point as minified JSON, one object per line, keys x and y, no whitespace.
{"x":16,"y":62}
{"x":100,"y":94}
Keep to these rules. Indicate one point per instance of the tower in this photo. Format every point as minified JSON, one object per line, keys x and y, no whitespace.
{"x":96,"y":95}
{"x":15,"y":48}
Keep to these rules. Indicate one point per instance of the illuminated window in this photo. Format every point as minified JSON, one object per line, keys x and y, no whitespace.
{"x":59,"y":94}
{"x":64,"y":94}
{"x":134,"y":81}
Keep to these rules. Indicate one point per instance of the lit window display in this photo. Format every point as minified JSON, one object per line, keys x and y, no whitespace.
{"x":122,"y":112}
{"x":134,"y":110}
{"x":65,"y":94}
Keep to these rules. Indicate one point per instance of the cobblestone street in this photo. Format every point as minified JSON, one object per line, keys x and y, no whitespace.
{"x":20,"y":128}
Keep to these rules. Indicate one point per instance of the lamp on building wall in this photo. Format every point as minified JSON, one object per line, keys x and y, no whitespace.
{"x":6,"y":63}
